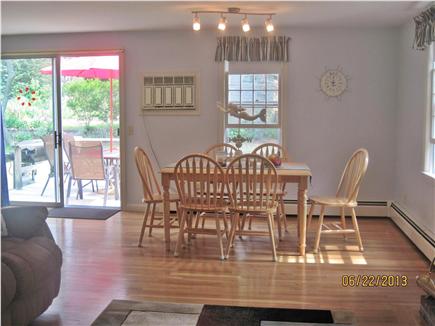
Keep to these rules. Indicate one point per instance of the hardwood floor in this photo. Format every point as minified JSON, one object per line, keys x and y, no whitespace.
{"x":102,"y":262}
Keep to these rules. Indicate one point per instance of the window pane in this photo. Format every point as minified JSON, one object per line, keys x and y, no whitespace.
{"x":272,"y":97}
{"x":272,"y":115}
{"x":247,"y":82}
{"x":248,"y":111}
{"x":232,"y":120}
{"x":233,"y":97}
{"x":247,"y":97}
{"x":260,"y":97}
{"x":234,"y":82}
{"x":260,"y":82}
{"x":257,"y":111}
{"x":258,"y":136}
{"x":272,"y":81}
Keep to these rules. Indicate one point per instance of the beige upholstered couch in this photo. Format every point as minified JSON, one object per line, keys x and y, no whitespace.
{"x":31,"y":263}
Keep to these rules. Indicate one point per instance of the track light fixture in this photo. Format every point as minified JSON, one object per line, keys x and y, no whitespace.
{"x":196,"y":24}
{"x":269,"y":24}
{"x":245,"y":24}
{"x":222,"y":24}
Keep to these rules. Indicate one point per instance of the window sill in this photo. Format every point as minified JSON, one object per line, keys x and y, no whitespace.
{"x":429,"y":175}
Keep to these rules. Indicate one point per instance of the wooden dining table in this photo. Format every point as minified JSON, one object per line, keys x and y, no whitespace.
{"x":298,"y":173}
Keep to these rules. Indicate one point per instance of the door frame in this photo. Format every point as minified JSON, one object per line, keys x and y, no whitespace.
{"x":57,"y":100}
{"x":57,"y":125}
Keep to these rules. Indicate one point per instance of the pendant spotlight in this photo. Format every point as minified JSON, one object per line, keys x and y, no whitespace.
{"x":223,"y":22}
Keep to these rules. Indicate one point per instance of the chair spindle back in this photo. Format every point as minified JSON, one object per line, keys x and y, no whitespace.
{"x":149,"y":181}
{"x":352,"y":175}
{"x":252,"y":183}
{"x":200,"y":182}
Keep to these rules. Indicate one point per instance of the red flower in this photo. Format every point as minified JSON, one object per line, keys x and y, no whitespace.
{"x":21,"y":90}
{"x":33,"y":92}
{"x":27,"y":89}
{"x":22,"y":103}
{"x":33,"y":99}
{"x":18,"y":98}
{"x":30,"y":104}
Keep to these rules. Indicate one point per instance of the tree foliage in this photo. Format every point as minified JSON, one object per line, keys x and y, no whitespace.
{"x":89,"y":99}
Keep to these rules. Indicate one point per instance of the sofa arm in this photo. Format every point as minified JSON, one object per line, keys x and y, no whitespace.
{"x":26,"y":221}
{"x":9,"y":286}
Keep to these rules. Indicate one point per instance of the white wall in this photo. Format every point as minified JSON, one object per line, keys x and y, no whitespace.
{"x":414,"y":191}
{"x":321,"y":132}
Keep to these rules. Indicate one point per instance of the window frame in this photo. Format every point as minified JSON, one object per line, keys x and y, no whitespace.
{"x":255,"y":68}
{"x":431,"y":116}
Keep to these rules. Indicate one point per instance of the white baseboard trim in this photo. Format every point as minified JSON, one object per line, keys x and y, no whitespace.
{"x":418,"y":237}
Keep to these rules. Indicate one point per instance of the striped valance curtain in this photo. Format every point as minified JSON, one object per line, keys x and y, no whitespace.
{"x":242,"y":48}
{"x":424,"y":29}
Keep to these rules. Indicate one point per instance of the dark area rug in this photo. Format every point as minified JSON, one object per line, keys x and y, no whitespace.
{"x":82,"y":213}
{"x":133,"y":313}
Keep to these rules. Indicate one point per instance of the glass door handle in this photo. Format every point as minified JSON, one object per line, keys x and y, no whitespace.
{"x":57,"y":139}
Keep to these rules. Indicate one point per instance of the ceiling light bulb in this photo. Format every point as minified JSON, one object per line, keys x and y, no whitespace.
{"x":222,"y":23}
{"x":269,"y":24}
{"x":245,"y":24}
{"x":196,"y":23}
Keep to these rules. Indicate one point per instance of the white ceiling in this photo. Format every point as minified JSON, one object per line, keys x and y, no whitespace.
{"x":32,"y":17}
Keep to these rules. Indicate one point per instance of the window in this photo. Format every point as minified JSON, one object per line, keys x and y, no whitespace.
{"x":259,"y":96}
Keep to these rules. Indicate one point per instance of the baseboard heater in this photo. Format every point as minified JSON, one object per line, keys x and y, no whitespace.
{"x":430,"y":241}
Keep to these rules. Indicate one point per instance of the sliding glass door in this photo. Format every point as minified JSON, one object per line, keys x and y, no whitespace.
{"x":31,"y":125}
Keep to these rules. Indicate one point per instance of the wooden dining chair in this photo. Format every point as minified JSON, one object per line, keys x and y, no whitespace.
{"x":229,"y":149}
{"x":252,"y":184}
{"x":266,"y":150}
{"x":200,"y":184}
{"x":87,"y":164}
{"x":152,"y":194}
{"x":345,"y":198}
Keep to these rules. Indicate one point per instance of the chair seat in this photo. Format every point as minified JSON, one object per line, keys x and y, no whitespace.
{"x":158,"y":198}
{"x":204,"y":208}
{"x":249,"y":209}
{"x":333,"y":201}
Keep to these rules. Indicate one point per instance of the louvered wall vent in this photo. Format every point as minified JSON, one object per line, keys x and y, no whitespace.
{"x":174,"y":93}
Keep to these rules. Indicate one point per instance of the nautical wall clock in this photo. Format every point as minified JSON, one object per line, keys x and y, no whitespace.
{"x":333,"y":82}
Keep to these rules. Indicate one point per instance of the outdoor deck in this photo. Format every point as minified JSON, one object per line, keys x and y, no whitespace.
{"x":31,"y":192}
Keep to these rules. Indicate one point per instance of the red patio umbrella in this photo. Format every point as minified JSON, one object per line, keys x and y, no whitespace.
{"x":101,"y":67}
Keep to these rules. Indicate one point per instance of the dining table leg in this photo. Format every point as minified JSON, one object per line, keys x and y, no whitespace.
{"x":302,"y":213}
{"x":166,"y":221}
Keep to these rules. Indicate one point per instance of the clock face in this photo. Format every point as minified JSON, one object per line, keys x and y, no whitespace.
{"x":333,"y":83}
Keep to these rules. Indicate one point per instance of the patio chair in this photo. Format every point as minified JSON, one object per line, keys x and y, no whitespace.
{"x":48,"y":141}
{"x":66,"y":139}
{"x":87,"y":164}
